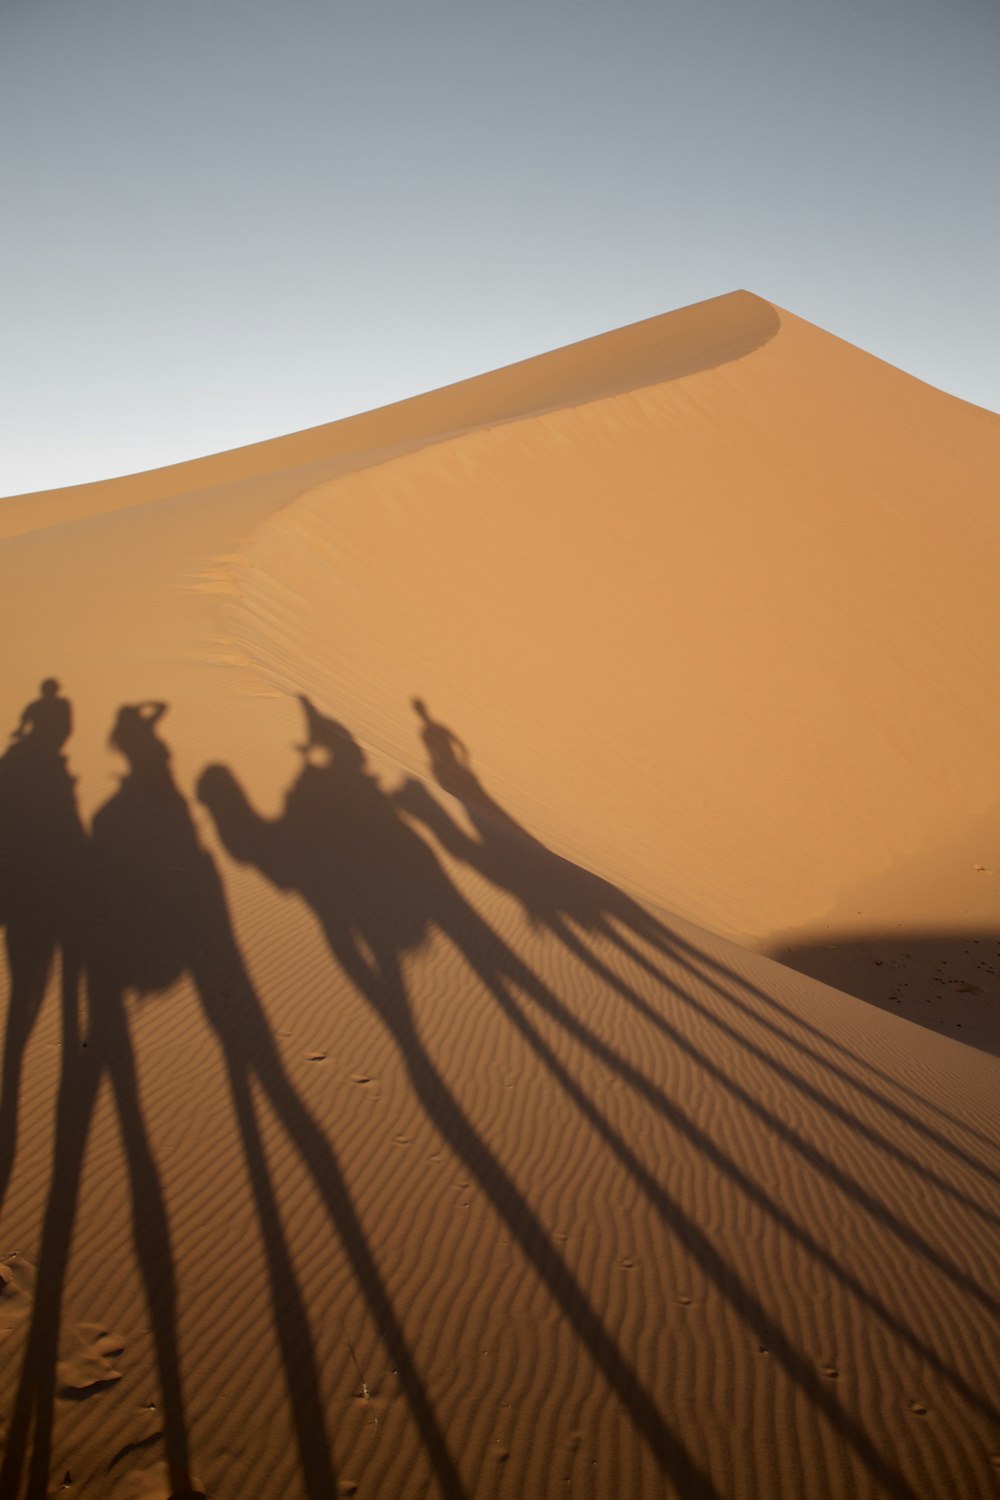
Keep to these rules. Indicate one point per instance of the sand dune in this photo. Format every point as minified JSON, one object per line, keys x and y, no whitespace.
{"x":398,"y":1094}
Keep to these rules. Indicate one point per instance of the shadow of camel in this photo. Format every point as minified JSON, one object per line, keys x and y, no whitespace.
{"x":344,"y":845}
{"x":140,"y":904}
{"x":339,"y":840}
{"x":114,"y":919}
{"x":158,"y":911}
{"x":42,"y":852}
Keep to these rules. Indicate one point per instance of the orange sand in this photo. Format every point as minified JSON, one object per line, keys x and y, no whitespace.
{"x":402,"y":1102}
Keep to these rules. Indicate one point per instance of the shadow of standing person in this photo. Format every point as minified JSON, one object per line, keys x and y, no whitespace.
{"x":551,"y":889}
{"x":578,"y":906}
{"x":451,"y":764}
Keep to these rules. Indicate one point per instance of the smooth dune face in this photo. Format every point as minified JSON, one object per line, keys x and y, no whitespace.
{"x":729,"y":639}
{"x":393,"y":1099}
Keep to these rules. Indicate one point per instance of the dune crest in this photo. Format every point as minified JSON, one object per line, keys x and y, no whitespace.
{"x":663,"y":348}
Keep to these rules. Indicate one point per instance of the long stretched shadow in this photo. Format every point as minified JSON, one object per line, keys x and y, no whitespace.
{"x":567,"y":899}
{"x":42,"y":848}
{"x":156,"y":910}
{"x":175,"y":914}
{"x":725,"y":1165}
{"x":97,"y":1052}
{"x":570,"y":900}
{"x":141,"y":903}
{"x":340,"y":842}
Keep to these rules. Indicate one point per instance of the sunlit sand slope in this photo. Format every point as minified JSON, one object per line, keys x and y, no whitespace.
{"x":731,"y":639}
{"x":374,"y":1117}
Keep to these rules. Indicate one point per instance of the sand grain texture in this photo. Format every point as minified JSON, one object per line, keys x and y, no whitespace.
{"x":402,"y":1100}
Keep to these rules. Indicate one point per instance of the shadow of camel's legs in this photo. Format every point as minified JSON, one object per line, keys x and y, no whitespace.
{"x":633,"y":919}
{"x":235,"y":1013}
{"x":488,"y":956}
{"x":290,"y":1318}
{"x":151,"y":1234}
{"x":35,"y":1399}
{"x":753,"y":1191}
{"x":386,"y":992}
{"x":29,"y":963}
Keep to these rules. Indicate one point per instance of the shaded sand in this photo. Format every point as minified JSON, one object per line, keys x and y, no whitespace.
{"x":396,"y":1099}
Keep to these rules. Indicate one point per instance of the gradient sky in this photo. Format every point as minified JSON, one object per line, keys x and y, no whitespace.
{"x":228,"y":219}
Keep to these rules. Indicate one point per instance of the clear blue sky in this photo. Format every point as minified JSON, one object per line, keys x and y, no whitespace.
{"x":227,"y":219}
